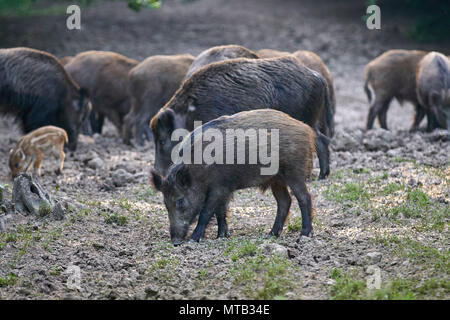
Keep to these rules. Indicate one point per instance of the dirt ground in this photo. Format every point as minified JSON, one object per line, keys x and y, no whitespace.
{"x":382,"y":214}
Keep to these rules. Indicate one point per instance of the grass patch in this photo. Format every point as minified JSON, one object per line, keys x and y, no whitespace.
{"x":8,"y":281}
{"x":429,"y":257}
{"x":261,"y":277}
{"x":349,"y":287}
{"x":347,"y":192}
{"x":116,"y":218}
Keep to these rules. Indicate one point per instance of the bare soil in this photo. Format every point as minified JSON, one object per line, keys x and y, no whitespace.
{"x":386,"y":203}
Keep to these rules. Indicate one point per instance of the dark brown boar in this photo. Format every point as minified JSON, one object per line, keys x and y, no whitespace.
{"x":312,"y":61}
{"x":35,"y":87}
{"x":151,"y":84}
{"x":433,"y":89}
{"x":105,"y":75}
{"x":392,"y":75}
{"x":231,"y":86}
{"x":220,"y":53}
{"x":203,"y":189}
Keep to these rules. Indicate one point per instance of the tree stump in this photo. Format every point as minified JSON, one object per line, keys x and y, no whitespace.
{"x":29,"y":197}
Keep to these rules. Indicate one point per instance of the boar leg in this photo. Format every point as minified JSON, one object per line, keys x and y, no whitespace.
{"x":222,"y":225}
{"x":281,"y":194}
{"x":418,"y":117}
{"x":304,"y":201}
{"x":375,"y":110}
{"x":323,"y":153}
{"x":382,"y":116}
{"x":62,"y":156}
{"x":140,"y":130}
{"x":148,"y":133}
{"x":38,"y":162}
{"x":217,"y":203}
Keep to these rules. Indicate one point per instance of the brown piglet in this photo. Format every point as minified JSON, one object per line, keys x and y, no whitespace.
{"x":30,"y":150}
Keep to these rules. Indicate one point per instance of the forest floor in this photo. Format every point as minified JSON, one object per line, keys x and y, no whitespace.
{"x":383,"y":212}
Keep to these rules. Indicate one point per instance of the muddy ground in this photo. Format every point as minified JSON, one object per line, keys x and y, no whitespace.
{"x":384,"y":211}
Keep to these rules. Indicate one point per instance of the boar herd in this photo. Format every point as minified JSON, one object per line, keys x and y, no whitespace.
{"x":224,"y":88}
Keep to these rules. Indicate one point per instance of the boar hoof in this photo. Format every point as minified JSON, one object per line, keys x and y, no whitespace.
{"x":58,"y":172}
{"x":177,"y":242}
{"x":307,"y":233}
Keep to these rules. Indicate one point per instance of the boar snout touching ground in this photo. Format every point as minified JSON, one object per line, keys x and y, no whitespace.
{"x":30,"y":150}
{"x":433,"y":89}
{"x":204,"y":188}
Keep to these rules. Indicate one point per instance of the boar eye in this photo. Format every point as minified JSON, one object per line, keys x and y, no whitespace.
{"x":16,"y":165}
{"x":180,"y":203}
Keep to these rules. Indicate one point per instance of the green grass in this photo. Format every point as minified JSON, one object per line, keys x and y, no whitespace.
{"x":8,"y":281}
{"x":428,"y":257}
{"x":347,"y":192}
{"x":295,"y":224}
{"x":349,"y":287}
{"x":346,"y":287}
{"x":259,"y":276}
{"x":116,"y":218}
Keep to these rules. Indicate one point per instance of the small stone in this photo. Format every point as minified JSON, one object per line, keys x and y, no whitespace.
{"x":374,"y":257}
{"x":274,"y":248}
{"x":96,"y":163}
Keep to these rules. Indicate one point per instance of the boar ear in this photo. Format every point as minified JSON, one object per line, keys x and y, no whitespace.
{"x":183,"y":177}
{"x":156,"y":180}
{"x":11,"y":151}
{"x":166,"y":119}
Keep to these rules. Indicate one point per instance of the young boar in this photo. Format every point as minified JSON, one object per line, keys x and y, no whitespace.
{"x":392,"y":75}
{"x":312,"y":61}
{"x":151,"y":84}
{"x":205,"y":188}
{"x":105,"y":75}
{"x":220,"y":53}
{"x":36,"y":89}
{"x":433,"y":89}
{"x":232,"y":86}
{"x":30,"y":150}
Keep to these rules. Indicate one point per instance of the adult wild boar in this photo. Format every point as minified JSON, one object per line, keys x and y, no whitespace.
{"x":37,"y":90}
{"x":105,"y":75}
{"x":433,"y":89}
{"x":312,"y":61}
{"x":392,"y":75}
{"x":205,"y":188}
{"x":151,"y":84}
{"x":220,"y":53}
{"x":232,"y":86}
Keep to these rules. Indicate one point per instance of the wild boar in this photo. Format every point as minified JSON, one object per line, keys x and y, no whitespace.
{"x":205,"y":188}
{"x":433,"y":88}
{"x":220,"y":53}
{"x":30,"y":150}
{"x":232,"y":86}
{"x":105,"y":75}
{"x":392,"y":75}
{"x":36,"y":89}
{"x":151,"y":84}
{"x":312,"y":61}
